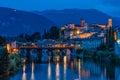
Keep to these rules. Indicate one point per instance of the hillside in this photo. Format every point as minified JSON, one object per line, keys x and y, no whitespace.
{"x":13,"y":22}
{"x":61,"y":17}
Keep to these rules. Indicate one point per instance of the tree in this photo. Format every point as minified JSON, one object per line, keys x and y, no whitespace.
{"x":2,"y":41}
{"x":28,"y":38}
{"x":3,"y":61}
{"x":21,"y":38}
{"x":102,"y":47}
{"x":15,"y":61}
{"x":110,"y":38}
{"x":54,"y":32}
{"x":46,"y":34}
{"x":61,"y":32}
{"x":35,"y":36}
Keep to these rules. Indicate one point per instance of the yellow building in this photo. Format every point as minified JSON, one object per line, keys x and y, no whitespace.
{"x":9,"y":49}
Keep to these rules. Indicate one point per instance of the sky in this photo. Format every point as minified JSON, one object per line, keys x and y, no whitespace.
{"x":111,"y":7}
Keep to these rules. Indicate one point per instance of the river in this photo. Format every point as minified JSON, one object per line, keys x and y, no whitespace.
{"x":76,"y":69}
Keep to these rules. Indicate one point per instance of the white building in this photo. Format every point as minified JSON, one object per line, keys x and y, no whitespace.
{"x":91,"y":43}
{"x":117,"y":43}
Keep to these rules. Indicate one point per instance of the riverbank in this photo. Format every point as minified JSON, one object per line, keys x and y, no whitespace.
{"x":10,"y":63}
{"x":104,"y":56}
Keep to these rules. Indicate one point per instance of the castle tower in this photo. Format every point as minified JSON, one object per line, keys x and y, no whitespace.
{"x":109,"y":22}
{"x":82,"y":22}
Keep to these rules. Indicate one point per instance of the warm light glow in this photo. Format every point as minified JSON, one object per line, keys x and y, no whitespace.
{"x":24,"y":68}
{"x":72,"y":45}
{"x":32,"y":67}
{"x":62,"y":28}
{"x":24,"y":76}
{"x":9,"y":49}
{"x":32,"y":76}
{"x":65,"y":59}
{"x":65,"y":66}
{"x":57,"y":72}
{"x":86,"y":35}
{"x":101,"y":26}
{"x":115,"y":37}
{"x":15,"y":51}
{"x":24,"y":73}
{"x":57,"y":58}
{"x":78,"y":32}
{"x":49,"y":71}
{"x":109,"y":22}
{"x":79,"y":68}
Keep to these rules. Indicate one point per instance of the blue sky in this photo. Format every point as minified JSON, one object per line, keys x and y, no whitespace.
{"x":111,"y":7}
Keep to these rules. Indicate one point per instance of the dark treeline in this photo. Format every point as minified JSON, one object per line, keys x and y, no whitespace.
{"x":27,"y":37}
{"x":2,"y":41}
{"x":52,"y":33}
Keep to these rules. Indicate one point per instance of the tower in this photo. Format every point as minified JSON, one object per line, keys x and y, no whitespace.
{"x":109,"y":22}
{"x":110,"y":35}
{"x":82,"y":22}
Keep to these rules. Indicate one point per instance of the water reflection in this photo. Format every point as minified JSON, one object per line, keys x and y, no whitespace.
{"x":32,"y":75}
{"x":49,"y":70}
{"x":76,"y":69}
{"x":72,"y":65}
{"x":65,"y":66}
{"x":24,"y":73}
{"x":57,"y":71}
{"x":79,"y":69}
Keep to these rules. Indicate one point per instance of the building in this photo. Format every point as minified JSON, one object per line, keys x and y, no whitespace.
{"x":82,"y":22}
{"x":12,"y":47}
{"x":91,"y":43}
{"x":117,"y":43}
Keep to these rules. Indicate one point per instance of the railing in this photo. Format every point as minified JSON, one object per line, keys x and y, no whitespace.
{"x":45,"y":47}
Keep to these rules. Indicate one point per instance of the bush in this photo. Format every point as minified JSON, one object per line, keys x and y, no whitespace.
{"x":15,"y":61}
{"x":79,"y":51}
{"x":3,"y":61}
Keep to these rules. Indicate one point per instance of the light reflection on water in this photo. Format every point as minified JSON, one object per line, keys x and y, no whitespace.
{"x":57,"y":72}
{"x":24,"y":73}
{"x":79,"y":69}
{"x":65,"y":66}
{"x":32,"y":75}
{"x":49,"y":70}
{"x":76,"y":69}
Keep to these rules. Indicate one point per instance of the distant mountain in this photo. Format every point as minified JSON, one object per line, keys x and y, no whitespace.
{"x":61,"y":17}
{"x":14,"y":22}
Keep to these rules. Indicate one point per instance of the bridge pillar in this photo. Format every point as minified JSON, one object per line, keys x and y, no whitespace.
{"x":39,"y":55}
{"x":50,"y":53}
{"x":28,"y":59}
